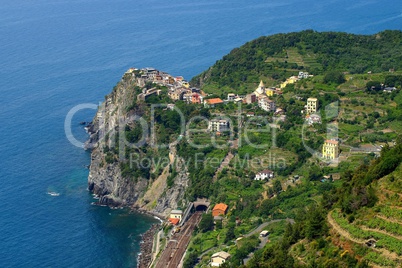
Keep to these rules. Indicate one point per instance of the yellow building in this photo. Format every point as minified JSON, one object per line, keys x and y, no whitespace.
{"x":330,"y":149}
{"x":185,"y":84}
{"x":290,"y":80}
{"x":312,"y":105}
{"x":269,"y":92}
{"x":176,"y":214}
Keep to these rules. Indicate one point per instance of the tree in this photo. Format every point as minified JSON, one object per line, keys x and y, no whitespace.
{"x":230,"y":234}
{"x":373,"y":85}
{"x":336,"y":77}
{"x":206,"y":223}
{"x":277,"y":186}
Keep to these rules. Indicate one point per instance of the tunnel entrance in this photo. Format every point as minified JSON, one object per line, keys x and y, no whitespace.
{"x":201,"y":208}
{"x":201,"y":204}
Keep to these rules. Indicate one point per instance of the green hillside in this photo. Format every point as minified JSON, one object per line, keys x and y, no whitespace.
{"x":279,"y":56}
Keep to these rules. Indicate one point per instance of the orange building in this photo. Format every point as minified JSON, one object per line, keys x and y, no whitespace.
{"x":212,"y":102}
{"x":219,"y":209}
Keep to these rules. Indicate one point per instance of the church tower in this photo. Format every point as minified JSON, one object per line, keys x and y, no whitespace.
{"x":261,"y":89}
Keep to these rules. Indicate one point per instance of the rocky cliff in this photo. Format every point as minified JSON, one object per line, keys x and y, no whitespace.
{"x":109,"y":156}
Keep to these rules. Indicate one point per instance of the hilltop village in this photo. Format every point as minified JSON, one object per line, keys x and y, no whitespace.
{"x":178,"y":89}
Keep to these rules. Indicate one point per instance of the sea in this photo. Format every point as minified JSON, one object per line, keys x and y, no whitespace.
{"x":55,"y":55}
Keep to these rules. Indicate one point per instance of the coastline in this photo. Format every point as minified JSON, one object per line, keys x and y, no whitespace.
{"x":147,"y":241}
{"x":146,"y":246}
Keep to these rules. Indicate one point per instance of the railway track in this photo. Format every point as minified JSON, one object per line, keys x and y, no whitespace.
{"x":177,"y":245}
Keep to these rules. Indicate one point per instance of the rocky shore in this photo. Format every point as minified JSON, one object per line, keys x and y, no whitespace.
{"x":147,"y":242}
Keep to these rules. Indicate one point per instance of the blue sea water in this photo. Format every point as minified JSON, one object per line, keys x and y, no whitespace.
{"x":58,"y":54}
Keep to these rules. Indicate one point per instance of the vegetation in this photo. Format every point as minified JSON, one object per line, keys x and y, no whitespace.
{"x":278,"y":56}
{"x":350,"y":75}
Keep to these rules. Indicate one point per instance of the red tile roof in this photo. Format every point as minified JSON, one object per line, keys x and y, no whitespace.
{"x":220,"y":206}
{"x":214,"y":101}
{"x":174,"y":221}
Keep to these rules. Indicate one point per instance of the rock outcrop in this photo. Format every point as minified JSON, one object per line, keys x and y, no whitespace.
{"x":106,"y":179}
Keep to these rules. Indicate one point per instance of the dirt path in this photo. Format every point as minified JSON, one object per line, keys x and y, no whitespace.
{"x":341,"y":231}
{"x":381,"y":231}
{"x":389,"y":219}
{"x":226,"y":160}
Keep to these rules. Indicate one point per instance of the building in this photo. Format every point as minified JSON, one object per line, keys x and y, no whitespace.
{"x":270,"y":92}
{"x":174,"y":221}
{"x":177,"y":94}
{"x":313,"y":119}
{"x":303,"y":75}
{"x":231,"y":97}
{"x":250,"y":98}
{"x":176,"y":214}
{"x":260,"y":91}
{"x":266,"y":104}
{"x":218,"y":125}
{"x":264,"y":174}
{"x":147,"y":93}
{"x":196,"y":98}
{"x":312,"y":105}
{"x":264,"y":233}
{"x":212,"y":102}
{"x":330,"y":149}
{"x":290,"y":80}
{"x":218,"y":258}
{"x":219,"y":209}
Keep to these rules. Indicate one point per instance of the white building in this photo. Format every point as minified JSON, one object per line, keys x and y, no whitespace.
{"x":231,"y":97}
{"x":219,"y":258}
{"x":312,"y":105}
{"x":267,"y":104}
{"x":218,"y":125}
{"x":264,"y":174}
{"x":303,"y":75}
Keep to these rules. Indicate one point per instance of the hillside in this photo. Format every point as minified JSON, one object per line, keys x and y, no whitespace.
{"x":159,"y":144}
{"x":279,"y":56}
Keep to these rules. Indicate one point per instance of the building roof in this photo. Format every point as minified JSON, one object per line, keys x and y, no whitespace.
{"x":265,"y":171}
{"x":222,"y":254}
{"x":261,"y":84}
{"x":220,"y":206}
{"x":332,"y":142}
{"x":176,"y":211}
{"x":174,"y":221}
{"x":312,"y":99}
{"x":214,"y":101}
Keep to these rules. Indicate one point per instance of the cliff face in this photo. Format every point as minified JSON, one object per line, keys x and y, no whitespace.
{"x":106,"y":179}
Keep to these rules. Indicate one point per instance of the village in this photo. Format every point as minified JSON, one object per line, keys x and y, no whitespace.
{"x":179,"y":90}
{"x":185,"y":221}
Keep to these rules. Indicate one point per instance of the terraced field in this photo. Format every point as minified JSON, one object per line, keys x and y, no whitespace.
{"x":387,"y":251}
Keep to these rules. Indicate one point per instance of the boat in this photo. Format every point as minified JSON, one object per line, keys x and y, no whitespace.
{"x":53,"y":193}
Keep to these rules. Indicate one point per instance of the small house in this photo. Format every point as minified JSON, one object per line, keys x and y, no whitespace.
{"x":264,"y":174}
{"x":264,"y":233}
{"x":219,"y":209}
{"x":176,"y":214}
{"x":218,"y":258}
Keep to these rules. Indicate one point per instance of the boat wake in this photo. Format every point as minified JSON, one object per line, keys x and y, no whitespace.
{"x":53,"y":193}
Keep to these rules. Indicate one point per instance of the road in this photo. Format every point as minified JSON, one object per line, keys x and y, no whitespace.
{"x":177,"y":245}
{"x":265,"y":224}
